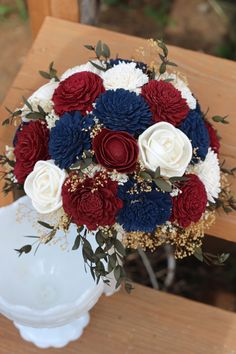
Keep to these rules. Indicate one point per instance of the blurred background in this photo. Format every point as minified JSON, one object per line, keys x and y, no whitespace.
{"x":201,"y":25}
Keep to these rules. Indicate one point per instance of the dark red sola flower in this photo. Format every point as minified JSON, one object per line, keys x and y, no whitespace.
{"x":189,"y":205}
{"x":214,"y":140}
{"x":165,"y":102}
{"x":31,"y":146}
{"x":77,"y":93}
{"x":116,"y":150}
{"x":92,"y":202}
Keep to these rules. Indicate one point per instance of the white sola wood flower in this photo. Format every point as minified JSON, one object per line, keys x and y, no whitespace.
{"x":182,"y":87}
{"x":208,"y":172}
{"x":126,"y":76}
{"x":84,"y":67}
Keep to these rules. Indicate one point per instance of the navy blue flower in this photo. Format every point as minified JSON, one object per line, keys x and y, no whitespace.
{"x":70,"y":138}
{"x":124,"y":111}
{"x":139,"y":64}
{"x":195,"y":129}
{"x":143,"y":211}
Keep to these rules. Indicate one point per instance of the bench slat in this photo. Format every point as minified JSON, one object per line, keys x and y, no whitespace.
{"x":147,"y":321}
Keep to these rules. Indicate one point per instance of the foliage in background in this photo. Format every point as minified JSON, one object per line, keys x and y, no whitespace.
{"x":18,"y":7}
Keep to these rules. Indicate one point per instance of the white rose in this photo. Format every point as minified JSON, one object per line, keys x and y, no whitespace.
{"x":162,"y":145}
{"x":43,"y":186}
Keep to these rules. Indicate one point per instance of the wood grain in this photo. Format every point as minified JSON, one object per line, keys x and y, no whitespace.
{"x":213,"y":81}
{"x":144,"y":322}
{"x":64,"y":9}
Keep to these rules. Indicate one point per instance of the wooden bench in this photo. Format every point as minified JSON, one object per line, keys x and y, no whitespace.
{"x":146,"y":321}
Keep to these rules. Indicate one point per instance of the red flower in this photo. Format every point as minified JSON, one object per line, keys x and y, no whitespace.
{"x":214,"y":140}
{"x":116,"y":150}
{"x":165,"y":102}
{"x":189,"y":205}
{"x":77,"y":93}
{"x":31,"y":146}
{"x":92,"y":202}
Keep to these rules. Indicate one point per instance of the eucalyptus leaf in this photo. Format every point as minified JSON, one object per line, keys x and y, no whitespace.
{"x":163,"y":185}
{"x":76,"y":243}
{"x":98,"y":49}
{"x":45,"y":224}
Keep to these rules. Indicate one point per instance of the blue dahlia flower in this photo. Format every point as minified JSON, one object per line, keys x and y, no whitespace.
{"x":139,"y":64}
{"x":143,"y":211}
{"x":124,"y":111}
{"x":70,"y":138}
{"x":195,"y":129}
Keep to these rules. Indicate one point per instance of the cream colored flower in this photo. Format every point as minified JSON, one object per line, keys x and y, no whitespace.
{"x":126,"y":76}
{"x":208,"y":172}
{"x":43,"y":186}
{"x":162,"y":145}
{"x":84,"y":67}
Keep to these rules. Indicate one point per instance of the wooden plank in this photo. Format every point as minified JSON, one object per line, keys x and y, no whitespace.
{"x":213,"y":80}
{"x":64,"y":9}
{"x":147,"y":321}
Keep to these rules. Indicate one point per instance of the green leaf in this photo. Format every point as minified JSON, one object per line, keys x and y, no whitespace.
{"x":162,"y":57}
{"x":112,"y":261}
{"x":98,"y":49}
{"x":45,"y":75}
{"x":99,"y":238}
{"x":219,"y":119}
{"x":45,"y":224}
{"x":162,"y":45}
{"x":128,"y":287}
{"x":89,"y":47}
{"x":76,"y":243}
{"x":97,"y":66}
{"x":34,"y":115}
{"x":162,"y":68}
{"x":117,"y":272}
{"x":170,"y":63}
{"x":26,"y":102}
{"x":145,"y":175}
{"x":178,"y":179}
{"x":157,"y":172}
{"x":6,"y":122}
{"x":106,"y":51}
{"x":100,"y":253}
{"x":119,"y":247}
{"x":24,"y":249}
{"x":163,"y":185}
{"x":17,"y":113}
{"x":198,"y":254}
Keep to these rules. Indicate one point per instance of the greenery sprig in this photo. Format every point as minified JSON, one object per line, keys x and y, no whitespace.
{"x":50,"y":74}
{"x":102,"y":53}
{"x":164,"y":185}
{"x":108,"y":257}
{"x":211,"y":259}
{"x":220,"y":119}
{"x":164,"y":57}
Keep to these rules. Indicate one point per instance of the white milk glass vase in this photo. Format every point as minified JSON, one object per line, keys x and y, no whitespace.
{"x":47,"y":295}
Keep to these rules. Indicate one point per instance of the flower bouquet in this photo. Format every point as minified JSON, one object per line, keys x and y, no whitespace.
{"x":122,"y":149}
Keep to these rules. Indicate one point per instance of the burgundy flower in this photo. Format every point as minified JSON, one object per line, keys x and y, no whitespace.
{"x":31,"y":146}
{"x":116,"y":150}
{"x":77,"y":93}
{"x":214,"y":140}
{"x":189,"y":205}
{"x":165,"y":102}
{"x":92,"y":202}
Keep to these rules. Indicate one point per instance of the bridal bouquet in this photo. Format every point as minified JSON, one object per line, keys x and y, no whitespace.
{"x":124,"y":150}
